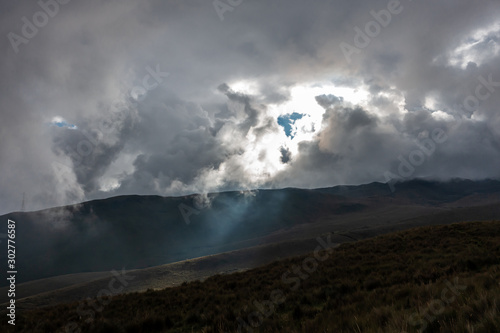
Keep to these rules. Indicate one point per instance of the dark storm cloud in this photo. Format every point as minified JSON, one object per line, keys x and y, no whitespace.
{"x":92,"y":155}
{"x":327,"y":101}
{"x":192,"y":131}
{"x":286,"y":155}
{"x":251,"y":114}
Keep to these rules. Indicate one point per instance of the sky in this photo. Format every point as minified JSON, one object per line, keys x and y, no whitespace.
{"x":172,"y":97}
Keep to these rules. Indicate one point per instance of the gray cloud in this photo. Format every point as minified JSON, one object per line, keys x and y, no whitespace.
{"x":199,"y":130}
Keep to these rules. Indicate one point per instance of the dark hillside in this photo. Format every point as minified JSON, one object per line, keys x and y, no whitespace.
{"x":441,"y":279}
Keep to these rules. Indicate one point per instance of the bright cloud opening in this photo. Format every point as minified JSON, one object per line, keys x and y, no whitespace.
{"x":477,"y":47}
{"x":60,"y":122}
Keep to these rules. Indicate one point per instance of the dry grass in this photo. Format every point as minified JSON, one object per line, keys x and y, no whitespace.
{"x":391,"y":283}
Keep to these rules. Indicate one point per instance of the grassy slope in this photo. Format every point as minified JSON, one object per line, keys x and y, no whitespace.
{"x":390,"y":283}
{"x":145,"y":231}
{"x":159,"y":277}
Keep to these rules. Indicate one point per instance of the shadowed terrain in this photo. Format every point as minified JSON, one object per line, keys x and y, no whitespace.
{"x":144,"y":231}
{"x":437,"y":279}
{"x":72,"y":250}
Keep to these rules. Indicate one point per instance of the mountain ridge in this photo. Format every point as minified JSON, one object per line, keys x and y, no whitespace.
{"x":143,"y":231}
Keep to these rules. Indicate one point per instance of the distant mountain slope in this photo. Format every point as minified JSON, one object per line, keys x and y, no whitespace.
{"x":427,"y":190}
{"x":141,"y":231}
